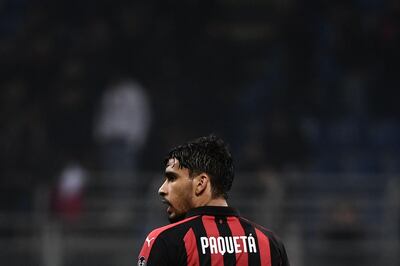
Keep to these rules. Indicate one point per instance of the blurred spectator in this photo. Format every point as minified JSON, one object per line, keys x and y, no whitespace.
{"x":122,"y":125}
{"x":121,"y":129}
{"x":68,"y":195}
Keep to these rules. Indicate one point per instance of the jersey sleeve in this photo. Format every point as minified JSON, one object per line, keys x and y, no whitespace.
{"x":280,"y":254}
{"x":284,"y":257}
{"x":277,"y":249}
{"x":153,"y":252}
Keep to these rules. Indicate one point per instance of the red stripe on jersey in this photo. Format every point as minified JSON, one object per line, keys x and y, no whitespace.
{"x":242,"y":259}
{"x":191,"y":248}
{"x":212,"y":230}
{"x":151,"y":238}
{"x":263,"y":246}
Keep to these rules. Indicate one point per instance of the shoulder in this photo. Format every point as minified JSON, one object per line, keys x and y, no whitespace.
{"x":276,"y":246}
{"x":171,"y":228}
{"x":160,"y":238}
{"x":265,"y":231}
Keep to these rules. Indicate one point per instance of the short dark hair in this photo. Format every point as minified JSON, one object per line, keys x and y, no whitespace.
{"x":210,"y":155}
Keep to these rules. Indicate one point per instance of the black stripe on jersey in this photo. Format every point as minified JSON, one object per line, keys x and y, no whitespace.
{"x":254,"y":258}
{"x":224,"y":230}
{"x":199,"y":231}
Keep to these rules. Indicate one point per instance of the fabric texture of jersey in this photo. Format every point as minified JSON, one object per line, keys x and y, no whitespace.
{"x":212,"y":236}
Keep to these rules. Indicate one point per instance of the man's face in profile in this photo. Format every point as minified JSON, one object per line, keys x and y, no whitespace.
{"x":177,"y":191}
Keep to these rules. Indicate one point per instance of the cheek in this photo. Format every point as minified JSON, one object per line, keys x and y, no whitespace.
{"x":182,"y":197}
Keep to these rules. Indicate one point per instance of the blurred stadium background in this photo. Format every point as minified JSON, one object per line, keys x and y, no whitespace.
{"x":94,"y":93}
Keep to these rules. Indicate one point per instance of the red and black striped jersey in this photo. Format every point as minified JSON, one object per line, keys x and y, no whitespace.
{"x":212,"y":236}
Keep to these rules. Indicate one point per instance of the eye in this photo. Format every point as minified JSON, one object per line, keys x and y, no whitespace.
{"x":171,"y":178}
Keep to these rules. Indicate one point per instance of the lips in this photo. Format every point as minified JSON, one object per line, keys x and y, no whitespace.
{"x":166,"y":202}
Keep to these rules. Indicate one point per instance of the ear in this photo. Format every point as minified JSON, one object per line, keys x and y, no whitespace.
{"x":202,"y":183}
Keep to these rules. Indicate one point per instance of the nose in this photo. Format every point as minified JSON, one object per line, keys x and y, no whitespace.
{"x":162,"y":190}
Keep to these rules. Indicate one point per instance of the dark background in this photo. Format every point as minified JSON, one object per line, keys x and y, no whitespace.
{"x":295,"y":86}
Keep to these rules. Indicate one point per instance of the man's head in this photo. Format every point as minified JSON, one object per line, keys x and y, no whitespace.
{"x":197,"y":173}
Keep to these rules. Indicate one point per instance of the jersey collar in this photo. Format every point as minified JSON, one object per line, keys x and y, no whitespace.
{"x":213,"y":210}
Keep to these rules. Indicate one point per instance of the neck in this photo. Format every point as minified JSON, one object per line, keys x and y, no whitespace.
{"x":218,"y":202}
{"x":214,"y":202}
